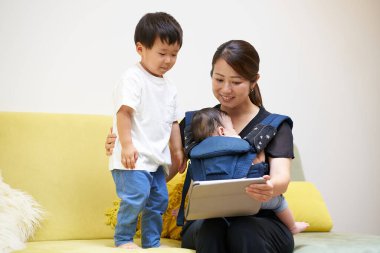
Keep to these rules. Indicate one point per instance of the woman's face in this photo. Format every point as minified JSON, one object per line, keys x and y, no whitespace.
{"x":229,"y":88}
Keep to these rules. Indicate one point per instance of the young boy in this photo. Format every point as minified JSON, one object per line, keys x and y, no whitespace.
{"x":148,"y":137}
{"x":209,"y":122}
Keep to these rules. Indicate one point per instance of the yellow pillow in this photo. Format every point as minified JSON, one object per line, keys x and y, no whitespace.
{"x":306,"y":203}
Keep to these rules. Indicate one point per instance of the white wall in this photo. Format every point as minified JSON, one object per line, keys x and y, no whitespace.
{"x":320,"y":64}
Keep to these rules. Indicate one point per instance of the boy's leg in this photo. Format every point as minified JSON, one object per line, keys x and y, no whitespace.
{"x":132,"y":187}
{"x":151,"y":222}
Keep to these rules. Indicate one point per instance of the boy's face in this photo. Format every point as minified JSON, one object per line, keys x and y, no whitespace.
{"x":160,"y":58}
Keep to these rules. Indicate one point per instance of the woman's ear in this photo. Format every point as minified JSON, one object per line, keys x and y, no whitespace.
{"x":254,"y":83}
{"x":257,"y":77}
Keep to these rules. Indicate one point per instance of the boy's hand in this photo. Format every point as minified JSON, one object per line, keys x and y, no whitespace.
{"x":129,"y":156}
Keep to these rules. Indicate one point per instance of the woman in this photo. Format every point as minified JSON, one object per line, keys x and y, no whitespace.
{"x":234,"y":73}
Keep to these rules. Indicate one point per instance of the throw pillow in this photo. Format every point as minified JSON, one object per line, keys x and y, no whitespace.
{"x":20,"y":216}
{"x":307,"y":205}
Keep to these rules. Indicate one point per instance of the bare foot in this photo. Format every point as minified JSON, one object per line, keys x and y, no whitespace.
{"x":129,"y":245}
{"x":299,"y":227}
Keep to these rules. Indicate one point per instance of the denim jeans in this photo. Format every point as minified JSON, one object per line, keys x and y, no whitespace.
{"x":140,"y":191}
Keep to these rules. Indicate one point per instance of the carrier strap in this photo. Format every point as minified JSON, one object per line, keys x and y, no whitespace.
{"x":263,"y":132}
{"x":258,"y":138}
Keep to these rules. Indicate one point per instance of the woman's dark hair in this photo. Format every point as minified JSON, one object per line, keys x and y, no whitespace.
{"x":205,"y":122}
{"x":158,"y":24}
{"x":244,"y":59}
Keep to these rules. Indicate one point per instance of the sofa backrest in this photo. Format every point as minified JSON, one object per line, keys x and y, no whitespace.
{"x":60,"y":160}
{"x":297,"y":170}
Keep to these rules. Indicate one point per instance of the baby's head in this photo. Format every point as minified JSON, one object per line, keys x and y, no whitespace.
{"x":211,"y":122}
{"x":158,"y":39}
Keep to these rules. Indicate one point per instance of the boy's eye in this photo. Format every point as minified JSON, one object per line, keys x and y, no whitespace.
{"x":236,"y":83}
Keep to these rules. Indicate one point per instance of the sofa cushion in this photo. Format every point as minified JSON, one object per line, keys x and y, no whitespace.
{"x":307,"y":205}
{"x":98,"y":246}
{"x":330,"y":242}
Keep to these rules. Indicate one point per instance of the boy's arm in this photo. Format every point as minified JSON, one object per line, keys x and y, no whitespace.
{"x":129,"y":153}
{"x":176,"y":151}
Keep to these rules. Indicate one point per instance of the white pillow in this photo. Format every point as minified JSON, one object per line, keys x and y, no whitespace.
{"x":20,"y":216}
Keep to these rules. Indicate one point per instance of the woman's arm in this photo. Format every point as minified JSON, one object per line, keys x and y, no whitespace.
{"x":277,"y":182}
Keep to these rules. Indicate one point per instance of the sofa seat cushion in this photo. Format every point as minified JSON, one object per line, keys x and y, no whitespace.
{"x":97,"y":246}
{"x":315,"y":242}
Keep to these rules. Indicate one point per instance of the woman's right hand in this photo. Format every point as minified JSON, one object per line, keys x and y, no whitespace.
{"x":110,"y":143}
{"x":261,"y":192}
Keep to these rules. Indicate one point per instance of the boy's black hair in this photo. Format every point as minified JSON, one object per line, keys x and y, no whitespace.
{"x":158,"y":24}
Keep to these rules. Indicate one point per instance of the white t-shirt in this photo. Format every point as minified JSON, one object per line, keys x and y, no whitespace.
{"x":154,"y":101}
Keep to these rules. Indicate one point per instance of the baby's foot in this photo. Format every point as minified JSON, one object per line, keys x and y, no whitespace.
{"x":129,"y":245}
{"x":299,"y":227}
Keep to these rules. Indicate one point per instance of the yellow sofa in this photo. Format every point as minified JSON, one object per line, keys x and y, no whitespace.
{"x":60,"y":160}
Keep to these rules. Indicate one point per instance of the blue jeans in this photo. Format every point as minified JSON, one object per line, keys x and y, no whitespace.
{"x":140,"y":191}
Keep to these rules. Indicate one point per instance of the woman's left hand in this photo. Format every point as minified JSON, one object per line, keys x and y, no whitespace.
{"x":261,"y":192}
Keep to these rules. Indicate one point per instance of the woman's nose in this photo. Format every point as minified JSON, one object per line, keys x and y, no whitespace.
{"x":226,"y":87}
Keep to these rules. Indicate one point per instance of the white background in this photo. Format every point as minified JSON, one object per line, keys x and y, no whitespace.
{"x":320,"y":63}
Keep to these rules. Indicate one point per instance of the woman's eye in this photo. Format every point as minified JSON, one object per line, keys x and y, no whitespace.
{"x":162,"y":54}
{"x":219,"y":80}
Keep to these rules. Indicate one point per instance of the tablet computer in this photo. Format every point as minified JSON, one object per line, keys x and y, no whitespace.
{"x":221,"y":198}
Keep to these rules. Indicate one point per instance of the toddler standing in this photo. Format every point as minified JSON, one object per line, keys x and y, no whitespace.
{"x":148,"y":140}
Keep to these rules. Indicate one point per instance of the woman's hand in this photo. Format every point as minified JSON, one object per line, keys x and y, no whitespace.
{"x":110,"y":143}
{"x":261,"y":192}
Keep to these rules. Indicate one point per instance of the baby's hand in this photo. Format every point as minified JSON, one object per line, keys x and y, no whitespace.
{"x":175,"y":212}
{"x":260,"y":157}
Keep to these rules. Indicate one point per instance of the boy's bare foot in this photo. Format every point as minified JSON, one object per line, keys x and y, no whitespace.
{"x":129,"y":245}
{"x":299,"y":227}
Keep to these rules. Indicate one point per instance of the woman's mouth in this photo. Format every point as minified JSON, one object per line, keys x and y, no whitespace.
{"x":226,"y":98}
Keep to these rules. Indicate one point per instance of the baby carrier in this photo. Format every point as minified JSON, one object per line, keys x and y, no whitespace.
{"x":220,"y":157}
